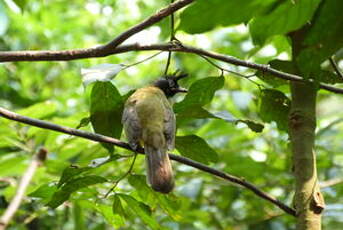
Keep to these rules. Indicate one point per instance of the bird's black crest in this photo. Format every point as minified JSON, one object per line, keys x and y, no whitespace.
{"x":169,"y":84}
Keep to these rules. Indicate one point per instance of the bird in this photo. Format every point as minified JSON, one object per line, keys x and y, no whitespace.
{"x":148,"y":120}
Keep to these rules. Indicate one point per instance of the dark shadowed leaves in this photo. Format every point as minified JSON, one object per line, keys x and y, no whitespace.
{"x":285,"y":66}
{"x":322,"y":39}
{"x":195,"y":148}
{"x":254,"y":126}
{"x":71,"y":186}
{"x":45,"y":192}
{"x":106,"y":110}
{"x":140,"y":209}
{"x":70,"y":173}
{"x":287,"y":16}
{"x":274,"y":106}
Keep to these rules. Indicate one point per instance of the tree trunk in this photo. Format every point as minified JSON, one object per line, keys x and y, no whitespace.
{"x":308,"y":200}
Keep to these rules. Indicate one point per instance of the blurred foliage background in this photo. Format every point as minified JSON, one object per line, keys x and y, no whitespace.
{"x":53,"y":91}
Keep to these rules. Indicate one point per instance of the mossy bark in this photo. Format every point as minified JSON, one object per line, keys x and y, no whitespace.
{"x":308,"y":200}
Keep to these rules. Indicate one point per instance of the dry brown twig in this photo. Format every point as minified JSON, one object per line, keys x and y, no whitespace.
{"x":37,"y":160}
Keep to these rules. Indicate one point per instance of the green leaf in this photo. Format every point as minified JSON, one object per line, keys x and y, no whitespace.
{"x":71,"y":172}
{"x":106,"y":110}
{"x":323,"y":38}
{"x":84,"y":122}
{"x":254,"y":126}
{"x":167,"y":203}
{"x":102,"y":72}
{"x":195,"y":148}
{"x":327,"y":77}
{"x":106,"y":211}
{"x":204,"y":15}
{"x":195,"y":112}
{"x":142,"y":188}
{"x":140,"y":209}
{"x":117,"y":207}
{"x":39,"y":110}
{"x":286,"y":17}
{"x":78,"y":216}
{"x":285,"y":66}
{"x":71,"y":186}
{"x":21,"y":3}
{"x":274,"y":106}
{"x":45,"y":192}
{"x":200,"y":93}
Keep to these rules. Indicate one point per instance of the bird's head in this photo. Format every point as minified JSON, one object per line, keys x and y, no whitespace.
{"x":169,"y":84}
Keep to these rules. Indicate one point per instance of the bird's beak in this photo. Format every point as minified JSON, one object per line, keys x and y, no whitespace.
{"x":180,"y":90}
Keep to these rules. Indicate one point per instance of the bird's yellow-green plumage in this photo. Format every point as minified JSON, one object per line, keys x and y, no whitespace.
{"x":149,"y":121}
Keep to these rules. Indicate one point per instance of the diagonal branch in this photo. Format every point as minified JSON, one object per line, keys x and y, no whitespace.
{"x":100,"y":138}
{"x":37,"y":160}
{"x":66,"y":55}
{"x":169,"y":10}
{"x":99,"y":51}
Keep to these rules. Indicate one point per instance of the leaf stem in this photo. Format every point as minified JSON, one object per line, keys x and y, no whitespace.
{"x":123,"y":176}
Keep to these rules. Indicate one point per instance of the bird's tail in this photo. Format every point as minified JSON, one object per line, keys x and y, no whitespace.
{"x":159,"y":169}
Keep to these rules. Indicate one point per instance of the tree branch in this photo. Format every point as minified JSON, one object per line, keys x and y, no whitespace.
{"x":24,"y":183}
{"x":329,"y":183}
{"x":335,"y":67}
{"x":99,"y":51}
{"x":66,"y":55}
{"x":100,"y":138}
{"x":147,"y":22}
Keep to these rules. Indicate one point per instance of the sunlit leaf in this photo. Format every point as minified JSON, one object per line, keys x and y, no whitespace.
{"x":205,"y":15}
{"x":44,"y":192}
{"x":39,"y":110}
{"x":200,"y":93}
{"x":117,"y":206}
{"x":102,"y":72}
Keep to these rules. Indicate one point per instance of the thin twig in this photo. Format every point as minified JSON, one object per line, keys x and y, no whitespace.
{"x":335,"y":67}
{"x":328,"y":127}
{"x":147,"y":22}
{"x":105,"y":139}
{"x":123,"y":176}
{"x":330,"y":183}
{"x":172,"y":37}
{"x":168,"y":62}
{"x":24,"y":183}
{"x":144,"y":60}
{"x":232,"y":72}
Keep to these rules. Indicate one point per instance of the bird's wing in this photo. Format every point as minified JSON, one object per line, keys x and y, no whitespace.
{"x":169,"y":125}
{"x":131,"y":125}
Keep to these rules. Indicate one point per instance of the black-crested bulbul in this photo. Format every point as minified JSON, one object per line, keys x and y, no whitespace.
{"x":149,"y":121}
